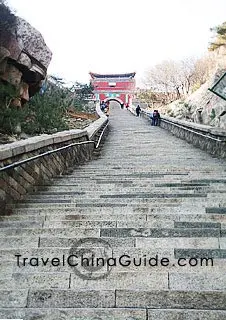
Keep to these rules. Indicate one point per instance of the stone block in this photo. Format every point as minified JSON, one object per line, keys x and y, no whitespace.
{"x":167,"y":299}
{"x":167,"y":314}
{"x":71,"y":299}
{"x":13,"y":298}
{"x":159,"y":233}
{"x":19,"y":242}
{"x":16,"y":186}
{"x":200,"y":253}
{"x":75,"y":314}
{"x":184,"y":224}
{"x":68,"y":242}
{"x":35,"y":280}
{"x":206,"y":281}
{"x":39,"y":142}
{"x":5,"y":152}
{"x":223,"y":243}
{"x":123,"y":280}
{"x":79,"y":224}
{"x":189,"y":243}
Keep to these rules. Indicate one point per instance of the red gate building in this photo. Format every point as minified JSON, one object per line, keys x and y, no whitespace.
{"x":118,"y":87}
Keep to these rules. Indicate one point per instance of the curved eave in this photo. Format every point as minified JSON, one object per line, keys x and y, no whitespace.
{"x":106,"y":76}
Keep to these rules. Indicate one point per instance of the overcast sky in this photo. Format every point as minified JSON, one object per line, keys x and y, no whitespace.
{"x":120,"y":36}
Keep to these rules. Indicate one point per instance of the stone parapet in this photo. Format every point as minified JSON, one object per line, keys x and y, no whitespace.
{"x":212,"y":140}
{"x":16,"y":182}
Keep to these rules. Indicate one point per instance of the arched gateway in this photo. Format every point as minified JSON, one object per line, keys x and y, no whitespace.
{"x":118,"y":87}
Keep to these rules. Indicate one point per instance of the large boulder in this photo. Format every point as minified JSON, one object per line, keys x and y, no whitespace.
{"x":24,"y":56}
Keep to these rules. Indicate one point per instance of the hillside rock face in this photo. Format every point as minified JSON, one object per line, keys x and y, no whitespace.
{"x":24,"y":59}
{"x":203,"y":106}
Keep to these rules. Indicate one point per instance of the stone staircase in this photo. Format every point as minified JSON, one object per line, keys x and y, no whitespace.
{"x":148,"y":195}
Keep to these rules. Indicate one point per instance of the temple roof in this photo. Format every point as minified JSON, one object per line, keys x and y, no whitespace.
{"x":119,"y":75}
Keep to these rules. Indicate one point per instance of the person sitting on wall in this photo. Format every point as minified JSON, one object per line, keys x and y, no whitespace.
{"x":155,"y":118}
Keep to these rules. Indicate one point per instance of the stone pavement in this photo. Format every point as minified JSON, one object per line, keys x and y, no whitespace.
{"x":148,"y":203}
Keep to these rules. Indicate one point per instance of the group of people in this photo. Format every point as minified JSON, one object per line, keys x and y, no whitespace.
{"x":126,"y":105}
{"x":104,"y":106}
{"x":154,"y":116}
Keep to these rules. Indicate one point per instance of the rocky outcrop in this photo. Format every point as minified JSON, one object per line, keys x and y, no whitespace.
{"x":203,"y":106}
{"x":24,"y":58}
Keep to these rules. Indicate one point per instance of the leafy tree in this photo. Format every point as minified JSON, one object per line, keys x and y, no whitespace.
{"x":219,"y":35}
{"x":81,"y":93}
{"x":46,"y":112}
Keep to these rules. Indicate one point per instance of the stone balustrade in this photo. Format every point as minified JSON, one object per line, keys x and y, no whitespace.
{"x":210,"y":139}
{"x":16,"y":182}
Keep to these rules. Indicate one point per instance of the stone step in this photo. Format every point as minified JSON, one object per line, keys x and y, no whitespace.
{"x":21,"y":217}
{"x":160,"y":232}
{"x":141,"y":242}
{"x":125,"y":206}
{"x":78,"y":313}
{"x":38,"y":280}
{"x":80,"y":224}
{"x":164,"y":299}
{"x":122,"y":280}
{"x":152,"y":203}
{"x":166,"y":314}
{"x":142,"y":228}
{"x":22,"y":224}
{"x":114,"y":209}
{"x":213,"y":300}
{"x":48,"y":232}
{"x":73,"y":192}
{"x":144,"y":219}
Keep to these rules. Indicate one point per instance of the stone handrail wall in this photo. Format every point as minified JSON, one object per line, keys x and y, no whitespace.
{"x":16,"y":182}
{"x":210,"y":139}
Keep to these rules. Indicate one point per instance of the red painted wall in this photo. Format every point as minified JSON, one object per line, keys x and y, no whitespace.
{"x":104,"y":85}
{"x":122,"y":91}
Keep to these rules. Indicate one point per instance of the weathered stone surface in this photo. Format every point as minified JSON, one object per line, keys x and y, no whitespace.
{"x":46,"y":232}
{"x":12,"y":75}
{"x":79,"y":224}
{"x":43,"y":168}
{"x":32,"y":42}
{"x":71,"y":299}
{"x":76,"y":314}
{"x":186,"y":314}
{"x":189,"y":243}
{"x":184,"y":224}
{"x":25,"y":60}
{"x":159,"y":233}
{"x":150,"y":287}
{"x":124,"y":280}
{"x":68,"y":242}
{"x":190,"y":281}
{"x":19,"y":242}
{"x":13,"y":298}
{"x":37,"y":280}
{"x":215,"y":300}
{"x":200,"y":253}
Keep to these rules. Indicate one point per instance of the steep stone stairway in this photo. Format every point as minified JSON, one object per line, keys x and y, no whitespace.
{"x":148,"y":197}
